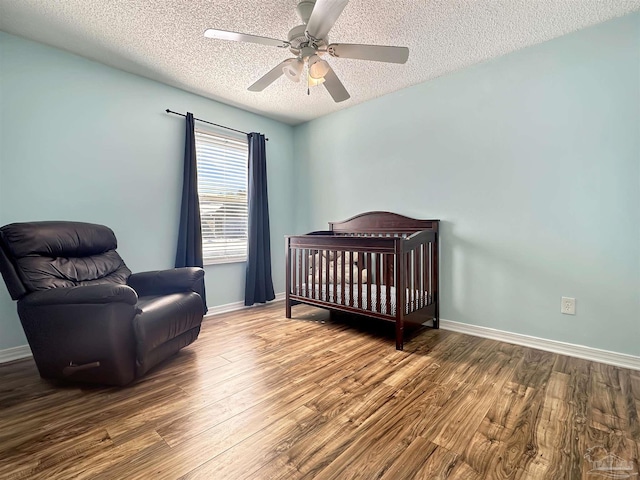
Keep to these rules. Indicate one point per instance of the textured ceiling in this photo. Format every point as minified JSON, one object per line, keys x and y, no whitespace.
{"x":163,"y":40}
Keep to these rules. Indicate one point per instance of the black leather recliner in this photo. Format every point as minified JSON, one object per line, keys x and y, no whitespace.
{"x":87,"y":318}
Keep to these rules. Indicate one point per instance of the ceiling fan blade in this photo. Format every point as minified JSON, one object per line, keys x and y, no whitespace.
{"x":335,"y":87}
{"x":324,"y":15}
{"x":270,"y":77}
{"x":243,"y":37}
{"x":378,"y":53}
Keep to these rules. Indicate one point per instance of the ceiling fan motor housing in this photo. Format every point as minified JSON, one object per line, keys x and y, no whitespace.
{"x":297,"y":35}
{"x":299,"y":40}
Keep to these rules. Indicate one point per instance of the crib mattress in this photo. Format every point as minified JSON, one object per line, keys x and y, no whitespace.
{"x":334,"y":295}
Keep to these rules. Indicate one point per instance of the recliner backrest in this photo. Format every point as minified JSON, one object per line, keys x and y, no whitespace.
{"x":57,"y":254}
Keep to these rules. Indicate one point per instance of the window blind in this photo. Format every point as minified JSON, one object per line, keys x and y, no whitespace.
{"x":222,"y":191}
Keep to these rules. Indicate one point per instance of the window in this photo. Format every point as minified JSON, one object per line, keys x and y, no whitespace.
{"x":222,"y":191}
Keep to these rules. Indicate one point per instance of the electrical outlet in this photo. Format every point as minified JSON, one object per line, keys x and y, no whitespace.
{"x":568,"y":306}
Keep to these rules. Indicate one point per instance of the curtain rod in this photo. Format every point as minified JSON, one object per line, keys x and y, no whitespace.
{"x":210,"y":123}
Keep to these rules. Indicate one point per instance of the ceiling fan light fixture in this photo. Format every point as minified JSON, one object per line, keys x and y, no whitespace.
{"x":314,"y":82}
{"x":293,"y":70}
{"x":318,"y":68}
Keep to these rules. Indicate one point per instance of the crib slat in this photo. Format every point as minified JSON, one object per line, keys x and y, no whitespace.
{"x":388,"y":262}
{"x":313,"y":273}
{"x":421,"y":276}
{"x":318,"y":279}
{"x":307,"y":252}
{"x":413,"y":290}
{"x":326,"y":275}
{"x":407,"y":283}
{"x":423,"y":285}
{"x":359,"y":280}
{"x":427,"y":274}
{"x":416,"y":275}
{"x":378,"y":281}
{"x":412,"y":305}
{"x":300,"y":278}
{"x":293,"y":255}
{"x":350,"y":273}
{"x":383,"y":268}
{"x":416,"y":280}
{"x":412,"y":281}
{"x":303,"y":277}
{"x":392,"y":267}
{"x":409,"y":280}
{"x":369,"y":280}
{"x":431,"y":272}
{"x":334,"y":280}
{"x":342,"y":282}
{"x":423,"y":266}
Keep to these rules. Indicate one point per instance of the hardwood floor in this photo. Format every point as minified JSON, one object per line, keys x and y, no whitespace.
{"x":258,"y":396}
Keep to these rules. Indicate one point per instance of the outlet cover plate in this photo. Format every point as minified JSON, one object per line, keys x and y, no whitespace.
{"x":568,"y":306}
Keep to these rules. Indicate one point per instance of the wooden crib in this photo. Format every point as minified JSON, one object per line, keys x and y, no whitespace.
{"x":369,"y":265}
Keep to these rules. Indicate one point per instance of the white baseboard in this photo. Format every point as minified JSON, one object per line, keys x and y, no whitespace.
{"x":569,"y":349}
{"x":232,"y":307}
{"x":14,"y":353}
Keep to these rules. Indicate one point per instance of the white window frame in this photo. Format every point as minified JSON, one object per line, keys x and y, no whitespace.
{"x":229,"y":156}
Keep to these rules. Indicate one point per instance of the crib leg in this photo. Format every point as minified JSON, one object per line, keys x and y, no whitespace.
{"x":399,"y":335}
{"x":287,"y":308}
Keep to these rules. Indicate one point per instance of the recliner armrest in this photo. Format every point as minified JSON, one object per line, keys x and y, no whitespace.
{"x":87,"y":294}
{"x":162,"y":282}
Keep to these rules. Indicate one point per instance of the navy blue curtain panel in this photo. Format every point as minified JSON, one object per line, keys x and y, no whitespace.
{"x":189,"y":251}
{"x":258,"y":284}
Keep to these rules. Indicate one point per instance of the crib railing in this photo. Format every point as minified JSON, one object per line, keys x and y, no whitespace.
{"x":421,"y":274}
{"x":401,"y":272}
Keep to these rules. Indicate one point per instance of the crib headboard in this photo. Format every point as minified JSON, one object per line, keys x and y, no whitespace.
{"x":381,"y":223}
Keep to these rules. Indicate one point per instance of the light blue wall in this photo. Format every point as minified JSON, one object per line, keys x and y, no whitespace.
{"x":82,"y":141}
{"x":531,"y":161}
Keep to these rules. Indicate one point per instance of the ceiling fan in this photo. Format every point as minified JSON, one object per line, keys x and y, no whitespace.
{"x":309,"y":43}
